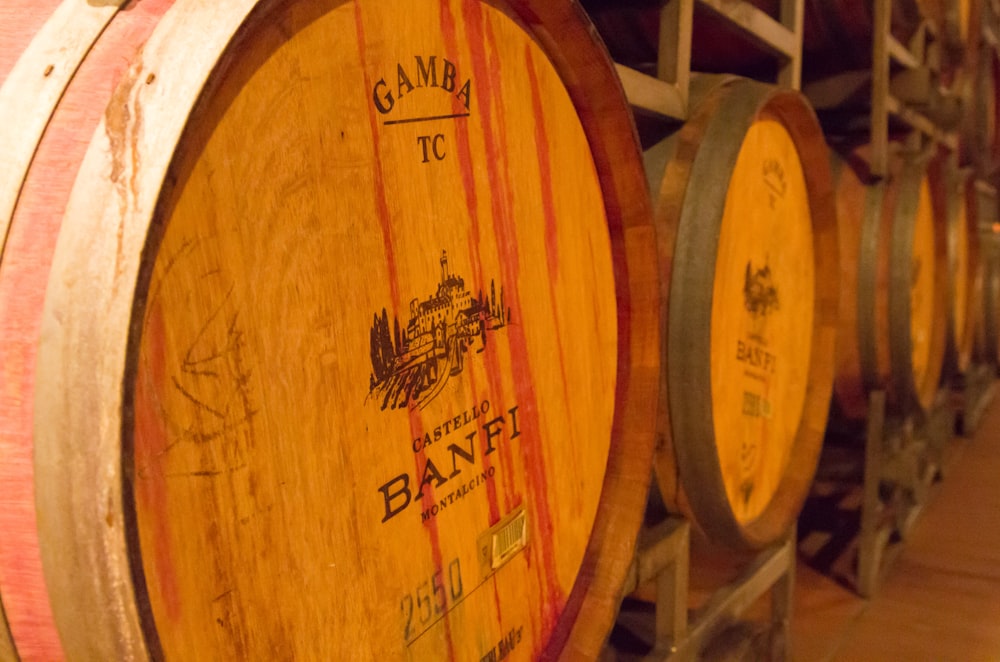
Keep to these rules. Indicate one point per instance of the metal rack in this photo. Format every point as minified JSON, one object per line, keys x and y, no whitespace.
{"x":663,"y":557}
{"x":903,"y":459}
{"x":971,"y":395}
{"x":895,"y":98}
{"x":666,"y":95}
{"x":903,"y":455}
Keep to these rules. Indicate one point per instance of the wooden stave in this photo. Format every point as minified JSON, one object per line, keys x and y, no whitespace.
{"x":21,"y":21}
{"x":679,"y":465}
{"x":606,"y":112}
{"x":60,"y":46}
{"x":63,"y":45}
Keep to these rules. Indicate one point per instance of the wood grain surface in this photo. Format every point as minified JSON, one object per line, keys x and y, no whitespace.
{"x":762,"y":313}
{"x":20,"y":20}
{"x":258,"y":341}
{"x":31,"y":90}
{"x":81,"y":88}
{"x":362,"y":349}
{"x":750,"y":294}
{"x":956,"y":203}
{"x":917,"y":291}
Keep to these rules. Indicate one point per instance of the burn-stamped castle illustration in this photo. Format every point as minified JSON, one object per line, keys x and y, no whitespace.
{"x":411,"y":365}
{"x":760,"y":296}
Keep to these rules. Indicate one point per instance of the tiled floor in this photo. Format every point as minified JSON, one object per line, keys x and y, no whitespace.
{"x":941,"y":598}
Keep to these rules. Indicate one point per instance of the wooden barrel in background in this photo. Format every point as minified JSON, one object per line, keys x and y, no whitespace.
{"x":892,"y":331}
{"x":748,"y":247}
{"x":955,"y":200}
{"x":43,"y":54}
{"x":988,"y":336}
{"x":334,"y":325}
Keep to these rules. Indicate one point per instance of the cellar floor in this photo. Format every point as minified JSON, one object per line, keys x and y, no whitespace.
{"x":940,"y":599}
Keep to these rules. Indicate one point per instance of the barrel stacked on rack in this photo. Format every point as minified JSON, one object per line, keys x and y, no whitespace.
{"x":748,"y":250}
{"x":328,"y":328}
{"x":909,"y":273}
{"x":894,"y":319}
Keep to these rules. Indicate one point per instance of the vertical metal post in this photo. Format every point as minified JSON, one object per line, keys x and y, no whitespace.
{"x":880,"y":89}
{"x":782,"y":601}
{"x":792,"y":17}
{"x":868,"y":542}
{"x":674,"y":52}
{"x":671,"y":595}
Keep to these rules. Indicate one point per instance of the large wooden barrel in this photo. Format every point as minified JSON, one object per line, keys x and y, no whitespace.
{"x":748,"y":246}
{"x":837,"y":35}
{"x":329,"y":330}
{"x":893,"y":319}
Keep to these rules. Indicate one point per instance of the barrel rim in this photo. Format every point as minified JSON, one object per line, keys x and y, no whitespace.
{"x":59,"y":50}
{"x":910,"y":397}
{"x":721,"y":121}
{"x":957,"y":187}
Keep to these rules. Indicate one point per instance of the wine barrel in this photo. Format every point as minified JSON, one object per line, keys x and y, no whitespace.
{"x":748,"y":246}
{"x":956,"y":202}
{"x":42,"y":54}
{"x":837,"y":35}
{"x":988,"y":337}
{"x":892,"y":330}
{"x":316,"y":355}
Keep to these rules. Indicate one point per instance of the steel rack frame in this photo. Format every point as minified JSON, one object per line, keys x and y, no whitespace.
{"x":665,"y":95}
{"x":663,"y":557}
